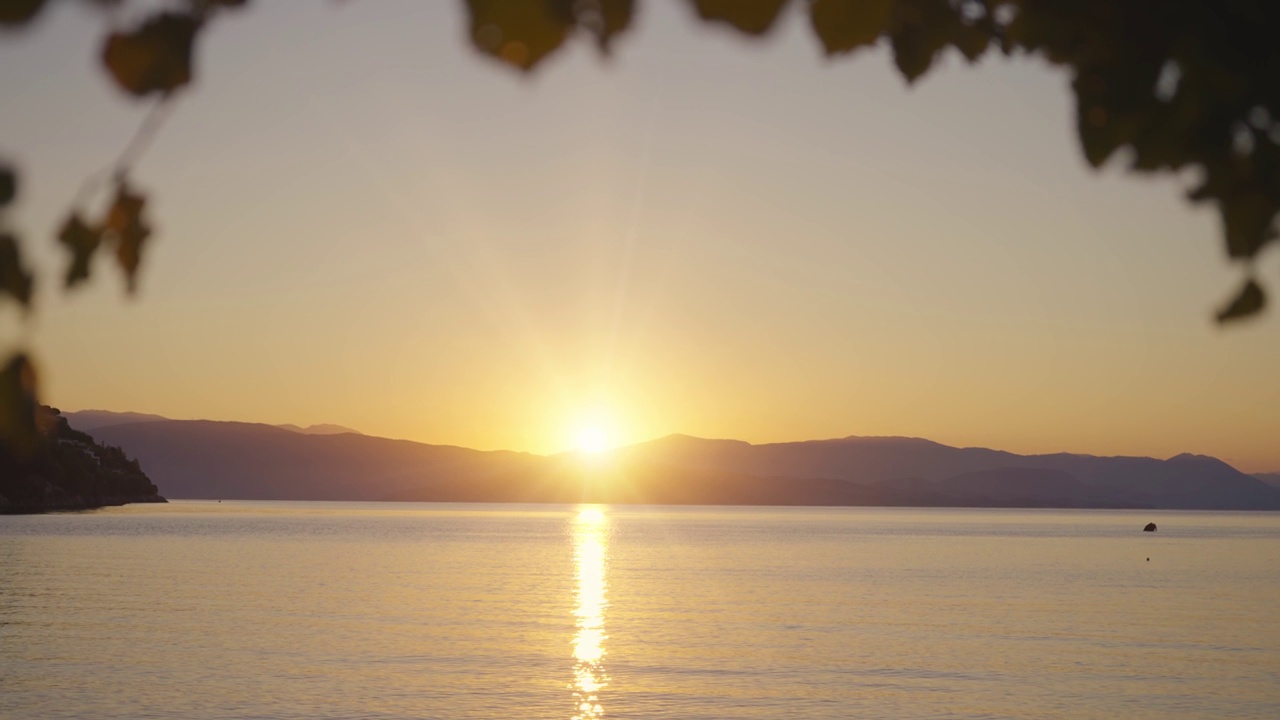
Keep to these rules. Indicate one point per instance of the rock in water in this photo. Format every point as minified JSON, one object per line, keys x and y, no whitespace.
{"x":1151,"y":527}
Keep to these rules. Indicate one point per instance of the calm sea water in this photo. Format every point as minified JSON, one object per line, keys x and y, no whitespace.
{"x":325,"y":610}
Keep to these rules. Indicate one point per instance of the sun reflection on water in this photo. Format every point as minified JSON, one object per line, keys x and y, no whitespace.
{"x":590,"y":530}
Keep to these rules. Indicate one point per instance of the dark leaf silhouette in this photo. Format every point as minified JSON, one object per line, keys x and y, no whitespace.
{"x":523,"y":32}
{"x":973,"y":39}
{"x":520,"y":32}
{"x":82,"y":241}
{"x":921,"y":29}
{"x":1246,"y":220}
{"x":1249,"y":301}
{"x":19,"y":429}
{"x":8,"y":186}
{"x":753,"y":17}
{"x":606,"y":18}
{"x":126,"y":227}
{"x":1112,"y":109}
{"x":19,"y":12}
{"x":15,"y":280}
{"x":845,"y":25}
{"x":154,"y":58}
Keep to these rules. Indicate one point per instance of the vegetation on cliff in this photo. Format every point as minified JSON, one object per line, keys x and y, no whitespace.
{"x":67,"y":470}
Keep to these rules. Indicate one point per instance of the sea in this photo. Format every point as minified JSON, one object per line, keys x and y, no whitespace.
{"x":310,"y":610}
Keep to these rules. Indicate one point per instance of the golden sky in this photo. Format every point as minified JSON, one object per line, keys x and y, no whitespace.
{"x":361,"y":221}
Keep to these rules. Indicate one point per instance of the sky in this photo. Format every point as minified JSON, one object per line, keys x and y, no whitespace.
{"x":362,"y":221}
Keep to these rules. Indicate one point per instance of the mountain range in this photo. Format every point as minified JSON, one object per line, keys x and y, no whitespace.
{"x":232,"y":460}
{"x":90,"y":420}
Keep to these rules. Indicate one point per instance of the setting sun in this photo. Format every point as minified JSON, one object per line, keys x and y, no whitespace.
{"x":593,"y":429}
{"x":592,"y":439}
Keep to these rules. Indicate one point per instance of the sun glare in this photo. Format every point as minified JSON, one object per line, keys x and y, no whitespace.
{"x":593,"y":432}
{"x":592,"y":439}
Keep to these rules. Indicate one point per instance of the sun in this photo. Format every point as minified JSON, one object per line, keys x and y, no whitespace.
{"x":593,"y":432}
{"x":591,"y":439}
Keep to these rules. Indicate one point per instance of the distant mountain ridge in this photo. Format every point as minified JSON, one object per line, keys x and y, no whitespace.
{"x":1272,"y":479}
{"x":321,"y":429}
{"x":207,"y":459}
{"x":90,"y":420}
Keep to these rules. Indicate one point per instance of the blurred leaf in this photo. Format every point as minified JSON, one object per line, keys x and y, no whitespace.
{"x":520,"y":32}
{"x":82,"y":241}
{"x":154,"y":58}
{"x":614,"y":16}
{"x":8,"y":184}
{"x":1249,"y":301}
{"x":974,"y":39}
{"x":1168,"y":130}
{"x":844,"y":25}
{"x":1246,"y":220}
{"x":19,"y":407}
{"x":921,"y":29}
{"x":753,"y":17}
{"x":15,"y":280}
{"x":1099,"y":136}
{"x":19,"y":12}
{"x":127,"y":227}
{"x":1115,"y":105}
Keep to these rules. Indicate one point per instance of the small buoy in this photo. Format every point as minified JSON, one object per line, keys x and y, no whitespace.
{"x":1151,"y":527}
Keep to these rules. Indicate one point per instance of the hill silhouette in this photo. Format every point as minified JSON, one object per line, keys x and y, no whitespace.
{"x":321,"y":429}
{"x":68,"y":470}
{"x":88,"y":420}
{"x":207,"y":459}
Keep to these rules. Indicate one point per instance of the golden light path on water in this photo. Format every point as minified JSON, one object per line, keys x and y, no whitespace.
{"x":590,"y":536}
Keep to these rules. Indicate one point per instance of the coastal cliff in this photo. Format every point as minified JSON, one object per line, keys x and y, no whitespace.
{"x":69,"y":470}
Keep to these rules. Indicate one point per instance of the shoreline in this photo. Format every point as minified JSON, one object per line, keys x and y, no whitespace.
{"x":75,"y":504}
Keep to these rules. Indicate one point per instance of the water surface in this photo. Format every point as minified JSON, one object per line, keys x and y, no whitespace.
{"x":327,"y":610}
